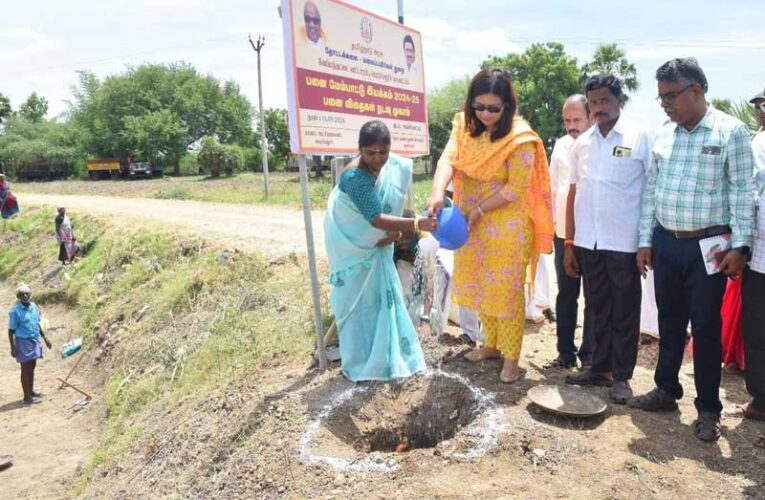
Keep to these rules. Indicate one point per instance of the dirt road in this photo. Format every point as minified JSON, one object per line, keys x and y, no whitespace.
{"x":48,"y":441}
{"x":269,"y":229}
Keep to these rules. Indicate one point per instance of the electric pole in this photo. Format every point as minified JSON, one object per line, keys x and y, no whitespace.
{"x":401,"y":11}
{"x":257,"y":46}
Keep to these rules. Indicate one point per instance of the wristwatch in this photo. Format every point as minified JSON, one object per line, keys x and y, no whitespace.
{"x":424,"y":319}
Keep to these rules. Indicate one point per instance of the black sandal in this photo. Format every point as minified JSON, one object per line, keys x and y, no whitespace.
{"x":559,"y":363}
{"x":707,"y":428}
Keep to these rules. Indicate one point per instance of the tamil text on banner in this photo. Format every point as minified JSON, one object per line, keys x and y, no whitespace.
{"x":346,"y":66}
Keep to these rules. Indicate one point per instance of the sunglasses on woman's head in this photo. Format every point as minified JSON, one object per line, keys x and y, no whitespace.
{"x":477,"y":106}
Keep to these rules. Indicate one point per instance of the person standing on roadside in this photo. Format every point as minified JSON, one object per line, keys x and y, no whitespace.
{"x":67,"y":243}
{"x":9,"y":206}
{"x":758,"y":141}
{"x":576,"y":119}
{"x":24,"y":332}
{"x":608,"y":170}
{"x":699,"y":186}
{"x":753,"y":283}
{"x":502,"y":183}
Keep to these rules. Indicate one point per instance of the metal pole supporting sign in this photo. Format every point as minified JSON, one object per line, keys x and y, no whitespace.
{"x":322,"y":354}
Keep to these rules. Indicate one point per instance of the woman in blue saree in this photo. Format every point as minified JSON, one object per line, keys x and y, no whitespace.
{"x":377,"y":338}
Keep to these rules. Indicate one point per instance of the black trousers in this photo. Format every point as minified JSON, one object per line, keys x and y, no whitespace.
{"x":567,"y":309}
{"x":684,"y":291}
{"x":612,"y":290}
{"x":753,"y":325}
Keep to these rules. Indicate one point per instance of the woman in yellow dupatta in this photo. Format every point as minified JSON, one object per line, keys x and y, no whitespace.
{"x":502,"y":184}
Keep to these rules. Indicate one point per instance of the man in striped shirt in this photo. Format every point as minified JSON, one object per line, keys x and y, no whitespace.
{"x":699,"y":185}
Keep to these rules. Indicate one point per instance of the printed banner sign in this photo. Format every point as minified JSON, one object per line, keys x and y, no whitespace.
{"x":346,"y":66}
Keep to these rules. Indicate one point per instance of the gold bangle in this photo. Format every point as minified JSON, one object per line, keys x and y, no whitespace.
{"x":416,"y":222}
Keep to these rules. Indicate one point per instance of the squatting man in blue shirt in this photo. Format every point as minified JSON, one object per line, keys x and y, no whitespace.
{"x":24,"y":332}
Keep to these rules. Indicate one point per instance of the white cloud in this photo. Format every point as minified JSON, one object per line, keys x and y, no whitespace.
{"x":453,"y":53}
{"x":22,"y":45}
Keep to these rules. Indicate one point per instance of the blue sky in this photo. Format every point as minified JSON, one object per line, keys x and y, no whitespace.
{"x":44,"y":42}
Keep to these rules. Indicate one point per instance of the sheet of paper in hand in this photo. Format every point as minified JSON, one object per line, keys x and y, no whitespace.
{"x":713,"y":249}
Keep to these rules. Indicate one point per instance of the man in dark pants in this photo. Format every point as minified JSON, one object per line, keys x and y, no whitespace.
{"x":753,"y":285}
{"x":576,"y":119}
{"x":699,"y":186}
{"x":608,"y":168}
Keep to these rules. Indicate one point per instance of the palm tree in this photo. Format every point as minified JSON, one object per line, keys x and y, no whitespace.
{"x":741,"y":110}
{"x":608,"y":58}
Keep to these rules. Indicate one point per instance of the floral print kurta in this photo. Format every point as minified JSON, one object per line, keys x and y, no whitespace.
{"x":490,"y":270}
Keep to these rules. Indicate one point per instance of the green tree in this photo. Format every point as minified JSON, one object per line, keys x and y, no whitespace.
{"x":26,"y":141}
{"x":443,"y":103}
{"x":5,"y":108}
{"x":233,"y":159}
{"x":147,"y":135}
{"x":253,"y":159}
{"x":159,"y":111}
{"x":277,"y":135}
{"x":34,"y":108}
{"x":217,"y":158}
{"x":211,"y":156}
{"x":608,"y":58}
{"x":544,"y":76}
{"x":741,"y":110}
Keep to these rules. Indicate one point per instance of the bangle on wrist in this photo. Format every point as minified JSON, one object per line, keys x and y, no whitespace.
{"x":480,"y":210}
{"x":424,"y":319}
{"x":568,"y":243}
{"x":416,"y":222}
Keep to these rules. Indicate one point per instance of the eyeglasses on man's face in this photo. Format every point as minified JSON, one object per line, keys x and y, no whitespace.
{"x":316,"y":20}
{"x":670,"y":97}
{"x":478,"y":107}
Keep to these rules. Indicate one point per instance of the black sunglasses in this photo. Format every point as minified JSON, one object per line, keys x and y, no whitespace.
{"x":312,"y":20}
{"x":477,"y":106}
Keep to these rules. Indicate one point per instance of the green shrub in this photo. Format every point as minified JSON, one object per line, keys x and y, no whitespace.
{"x":189,"y":165}
{"x":253,"y":159}
{"x":174,"y":193}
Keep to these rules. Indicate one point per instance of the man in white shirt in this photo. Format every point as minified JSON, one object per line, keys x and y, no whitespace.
{"x":409,"y":54}
{"x":758,"y":141}
{"x":576,"y":119}
{"x":608,"y":170}
{"x":753,"y":284}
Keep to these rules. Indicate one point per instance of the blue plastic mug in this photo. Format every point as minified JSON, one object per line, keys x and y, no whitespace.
{"x":452,"y":230}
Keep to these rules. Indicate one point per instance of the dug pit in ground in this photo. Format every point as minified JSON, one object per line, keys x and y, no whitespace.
{"x":431,"y":413}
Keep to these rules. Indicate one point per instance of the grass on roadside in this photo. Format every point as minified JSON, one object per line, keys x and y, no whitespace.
{"x":186,"y":320}
{"x":246,"y":188}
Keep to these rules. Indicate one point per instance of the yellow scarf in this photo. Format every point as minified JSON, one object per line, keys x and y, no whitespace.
{"x":481,"y":159}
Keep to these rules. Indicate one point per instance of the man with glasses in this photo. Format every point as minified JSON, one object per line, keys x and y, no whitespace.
{"x":312,"y":32}
{"x":608,"y":170}
{"x":699,"y":186}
